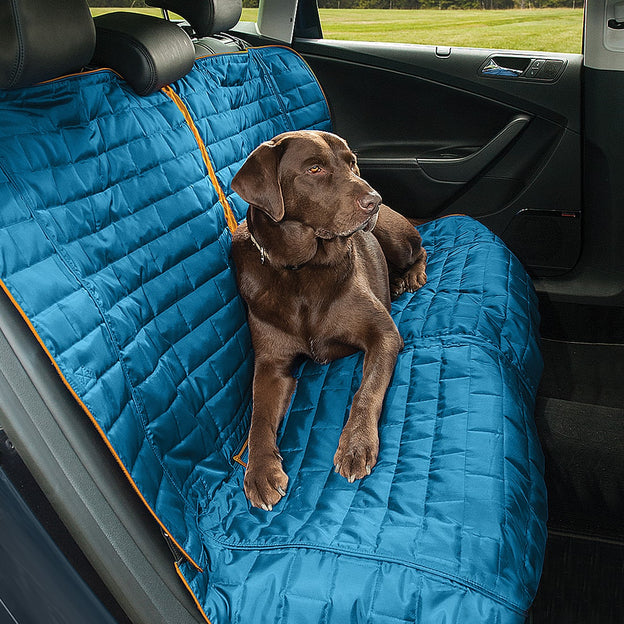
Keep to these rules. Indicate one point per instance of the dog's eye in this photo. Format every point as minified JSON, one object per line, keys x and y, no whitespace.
{"x":315,"y":169}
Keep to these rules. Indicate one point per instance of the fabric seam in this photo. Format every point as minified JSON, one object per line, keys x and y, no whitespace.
{"x":227,"y":210}
{"x":94,"y":422}
{"x":115,"y":344}
{"x":379,"y":558}
{"x":18,"y":63}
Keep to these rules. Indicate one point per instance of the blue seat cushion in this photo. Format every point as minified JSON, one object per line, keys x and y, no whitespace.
{"x":449,"y":526}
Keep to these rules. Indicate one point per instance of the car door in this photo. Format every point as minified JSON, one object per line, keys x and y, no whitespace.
{"x":494,"y":134}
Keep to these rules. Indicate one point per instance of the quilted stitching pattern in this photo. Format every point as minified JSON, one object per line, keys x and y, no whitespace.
{"x":456,"y":422}
{"x":114,"y":244}
{"x":132,"y":290}
{"x":342,"y":589}
{"x":240,"y":100}
{"x":479,"y":291}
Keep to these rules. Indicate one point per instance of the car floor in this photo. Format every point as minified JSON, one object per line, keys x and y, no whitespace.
{"x":581,"y":582}
{"x":580,"y":419}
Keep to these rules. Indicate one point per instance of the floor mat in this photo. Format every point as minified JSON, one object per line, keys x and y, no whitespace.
{"x":584,"y":453}
{"x":581,"y":583}
{"x":580,"y":420}
{"x":580,"y":417}
{"x":584,"y":372}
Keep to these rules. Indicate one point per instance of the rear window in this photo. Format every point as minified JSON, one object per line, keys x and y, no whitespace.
{"x":250,"y":8}
{"x":107,"y":6}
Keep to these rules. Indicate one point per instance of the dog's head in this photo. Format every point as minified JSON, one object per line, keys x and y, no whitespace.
{"x":311,"y":179}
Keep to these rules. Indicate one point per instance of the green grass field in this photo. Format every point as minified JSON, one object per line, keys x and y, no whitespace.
{"x":551,"y":30}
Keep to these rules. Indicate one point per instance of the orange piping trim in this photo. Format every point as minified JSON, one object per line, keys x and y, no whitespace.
{"x":198,"y":58}
{"x":84,"y":73}
{"x":229,"y":215}
{"x":188,"y":587}
{"x":238,"y":457}
{"x":93,"y":420}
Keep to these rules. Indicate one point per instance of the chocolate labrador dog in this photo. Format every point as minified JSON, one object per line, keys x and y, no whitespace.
{"x":317,"y":260}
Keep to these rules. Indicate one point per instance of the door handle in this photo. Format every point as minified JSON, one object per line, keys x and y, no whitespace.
{"x":467,"y":167}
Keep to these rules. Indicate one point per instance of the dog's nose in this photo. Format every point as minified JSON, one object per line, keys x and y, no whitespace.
{"x":369,"y":203}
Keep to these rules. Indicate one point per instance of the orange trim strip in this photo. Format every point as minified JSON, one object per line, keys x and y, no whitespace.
{"x":82,"y":73}
{"x":238,"y":457}
{"x":188,"y":587}
{"x":231,"y":52}
{"x":229,"y":215}
{"x":93,"y":420}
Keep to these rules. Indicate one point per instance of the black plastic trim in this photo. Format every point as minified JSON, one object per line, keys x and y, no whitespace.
{"x":37,"y":584}
{"x":84,"y":484}
{"x":460,"y":69}
{"x":467,"y":167}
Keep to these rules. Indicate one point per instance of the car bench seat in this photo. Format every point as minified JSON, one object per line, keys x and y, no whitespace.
{"x":116,"y":215}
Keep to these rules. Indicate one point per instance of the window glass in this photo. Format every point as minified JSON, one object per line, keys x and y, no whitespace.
{"x":548,"y":25}
{"x":250,"y":10}
{"x":107,"y":6}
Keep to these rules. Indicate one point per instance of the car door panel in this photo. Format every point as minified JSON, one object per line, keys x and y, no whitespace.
{"x":436,"y":134}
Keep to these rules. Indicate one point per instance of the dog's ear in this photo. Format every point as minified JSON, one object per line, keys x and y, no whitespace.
{"x":257,"y":181}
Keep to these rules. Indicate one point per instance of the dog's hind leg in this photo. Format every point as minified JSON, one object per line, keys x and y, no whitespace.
{"x":402,"y":247}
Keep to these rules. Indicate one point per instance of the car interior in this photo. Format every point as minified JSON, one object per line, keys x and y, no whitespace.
{"x":119,"y":137}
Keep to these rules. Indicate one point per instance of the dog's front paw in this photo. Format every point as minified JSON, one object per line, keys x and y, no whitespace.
{"x":413,"y":279}
{"x":265,"y":483}
{"x":357,"y":452}
{"x":416,"y":277}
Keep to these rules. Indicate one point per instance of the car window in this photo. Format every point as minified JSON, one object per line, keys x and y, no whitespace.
{"x":558,"y":27}
{"x":98,"y":7}
{"x":250,"y":11}
{"x":107,"y":6}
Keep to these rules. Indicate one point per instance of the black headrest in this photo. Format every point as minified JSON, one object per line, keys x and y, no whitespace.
{"x":43,"y":39}
{"x":206,"y":17}
{"x":148,"y":52}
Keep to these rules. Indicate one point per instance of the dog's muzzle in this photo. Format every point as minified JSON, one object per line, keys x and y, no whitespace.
{"x":370,"y":223}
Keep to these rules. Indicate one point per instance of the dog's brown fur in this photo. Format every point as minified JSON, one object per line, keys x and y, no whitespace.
{"x":317,"y":279}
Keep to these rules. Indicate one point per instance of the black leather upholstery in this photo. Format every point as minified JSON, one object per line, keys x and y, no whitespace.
{"x":148,"y":52}
{"x":218,"y":44}
{"x":40,"y":40}
{"x":206,"y":17}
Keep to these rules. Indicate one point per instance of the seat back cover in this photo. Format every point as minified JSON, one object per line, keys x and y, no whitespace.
{"x":116,"y":249}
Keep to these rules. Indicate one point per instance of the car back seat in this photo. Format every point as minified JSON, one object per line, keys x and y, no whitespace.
{"x":116,"y":215}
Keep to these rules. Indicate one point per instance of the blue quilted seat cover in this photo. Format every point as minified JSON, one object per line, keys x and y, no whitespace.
{"x":239,"y":100}
{"x":115,"y":248}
